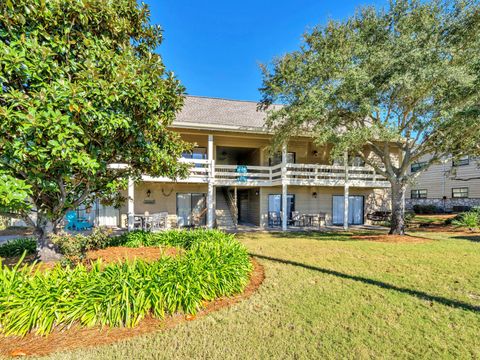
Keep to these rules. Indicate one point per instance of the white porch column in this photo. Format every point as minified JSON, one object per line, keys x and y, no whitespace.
{"x":211,"y":185}
{"x":284,"y":187}
{"x":345,"y":192}
{"x":130,"y":204}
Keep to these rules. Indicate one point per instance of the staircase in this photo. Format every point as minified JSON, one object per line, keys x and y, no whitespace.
{"x":223,"y":214}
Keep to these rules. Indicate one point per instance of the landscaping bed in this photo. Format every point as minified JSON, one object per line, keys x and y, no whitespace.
{"x":150,"y":280}
{"x":81,"y":337}
{"x":122,"y":254}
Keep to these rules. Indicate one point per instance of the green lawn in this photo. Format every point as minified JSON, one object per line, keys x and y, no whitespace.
{"x":328,"y":296}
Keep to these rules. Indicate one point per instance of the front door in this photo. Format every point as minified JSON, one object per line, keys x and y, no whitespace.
{"x":355,"y":210}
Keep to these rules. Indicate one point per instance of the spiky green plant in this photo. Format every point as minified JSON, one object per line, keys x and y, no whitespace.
{"x":121,"y":294}
{"x":470,"y":220}
{"x":16,"y":247}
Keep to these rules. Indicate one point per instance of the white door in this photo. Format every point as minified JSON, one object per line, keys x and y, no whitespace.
{"x":355,"y":210}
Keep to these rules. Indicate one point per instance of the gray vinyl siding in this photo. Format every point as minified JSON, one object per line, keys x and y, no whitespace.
{"x":439,"y":183}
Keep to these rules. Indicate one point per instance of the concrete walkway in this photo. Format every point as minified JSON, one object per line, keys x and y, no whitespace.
{"x":6,"y":238}
{"x":252,"y":228}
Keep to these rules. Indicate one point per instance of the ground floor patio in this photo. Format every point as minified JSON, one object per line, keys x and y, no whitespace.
{"x":193,"y":205}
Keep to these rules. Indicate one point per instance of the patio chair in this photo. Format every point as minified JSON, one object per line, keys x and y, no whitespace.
{"x":138,"y":223}
{"x":297,"y":219}
{"x":198,"y":217}
{"x":159,"y":221}
{"x":322,"y":217}
{"x":76,"y":223}
{"x":274,"y":218}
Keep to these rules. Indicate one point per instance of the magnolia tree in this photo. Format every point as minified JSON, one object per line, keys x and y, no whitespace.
{"x":402,"y":83}
{"x":80,"y":89}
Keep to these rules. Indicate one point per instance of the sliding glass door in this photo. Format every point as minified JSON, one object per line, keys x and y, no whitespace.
{"x":275,"y":204}
{"x":191,"y":206}
{"x":355,"y":210}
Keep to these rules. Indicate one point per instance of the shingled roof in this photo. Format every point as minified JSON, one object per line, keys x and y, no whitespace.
{"x":205,"y":112}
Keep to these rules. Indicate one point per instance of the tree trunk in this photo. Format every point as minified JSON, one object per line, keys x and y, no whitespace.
{"x":397,"y":226}
{"x":46,"y":250}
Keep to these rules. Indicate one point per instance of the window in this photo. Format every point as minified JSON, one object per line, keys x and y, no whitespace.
{"x":277,"y":158}
{"x":197,"y":153}
{"x":465,"y":160}
{"x":356,"y":161}
{"x":460,"y":193}
{"x":418,"y":166}
{"x":419,"y":194}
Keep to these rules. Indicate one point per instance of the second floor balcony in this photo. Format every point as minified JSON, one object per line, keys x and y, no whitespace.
{"x":205,"y":171}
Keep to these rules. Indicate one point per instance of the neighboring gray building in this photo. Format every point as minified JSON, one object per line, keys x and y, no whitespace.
{"x":451,"y":185}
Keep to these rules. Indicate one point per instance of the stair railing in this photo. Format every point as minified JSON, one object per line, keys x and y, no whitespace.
{"x":231,"y":205}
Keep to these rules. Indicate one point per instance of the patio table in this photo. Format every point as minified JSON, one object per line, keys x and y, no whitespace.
{"x":309,"y":219}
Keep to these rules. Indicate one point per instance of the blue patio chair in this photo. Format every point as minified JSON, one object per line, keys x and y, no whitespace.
{"x":75,"y":223}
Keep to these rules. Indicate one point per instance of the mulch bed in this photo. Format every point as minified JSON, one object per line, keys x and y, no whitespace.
{"x":78,"y":337}
{"x":12,"y":261}
{"x":20,"y":231}
{"x":385,"y":238}
{"x":108,"y":255}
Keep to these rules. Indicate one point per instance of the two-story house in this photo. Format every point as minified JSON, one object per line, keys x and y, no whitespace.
{"x":235,"y":180}
{"x":452,"y":185}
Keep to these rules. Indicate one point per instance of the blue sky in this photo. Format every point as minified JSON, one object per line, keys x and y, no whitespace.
{"x":214,"y":47}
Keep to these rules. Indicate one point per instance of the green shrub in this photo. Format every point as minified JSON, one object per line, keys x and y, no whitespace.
{"x":120,"y":294}
{"x":76,"y":246}
{"x":426,"y":209}
{"x":470,"y":220}
{"x":18,"y":246}
{"x":176,"y":238}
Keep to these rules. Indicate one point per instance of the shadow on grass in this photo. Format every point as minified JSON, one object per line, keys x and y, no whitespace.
{"x":323,"y":235}
{"x":474,"y":238}
{"x":416,"y":293}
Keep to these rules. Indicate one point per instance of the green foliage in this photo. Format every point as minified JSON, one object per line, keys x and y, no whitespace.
{"x":426,"y":209}
{"x":17,"y":247}
{"x":81,"y":88}
{"x":76,"y":246}
{"x":121,"y":294}
{"x":13,"y":194}
{"x":409,"y":217}
{"x":470,"y":220}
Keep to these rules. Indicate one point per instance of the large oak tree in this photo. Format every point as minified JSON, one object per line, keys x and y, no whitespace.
{"x":405,"y":78}
{"x":81,"y":88}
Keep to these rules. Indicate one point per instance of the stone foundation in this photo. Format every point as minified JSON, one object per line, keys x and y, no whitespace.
{"x":447,"y":205}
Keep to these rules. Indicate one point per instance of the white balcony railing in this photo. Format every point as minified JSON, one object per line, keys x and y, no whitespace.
{"x":199,"y":172}
{"x":331,"y":174}
{"x":202,"y":171}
